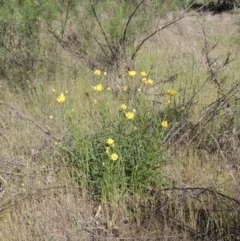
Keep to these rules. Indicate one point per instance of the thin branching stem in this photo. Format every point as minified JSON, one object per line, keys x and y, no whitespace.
{"x":152,"y":34}
{"x":102,"y":30}
{"x":66,"y":18}
{"x":214,"y":192}
{"x":45,"y":129}
{"x":165,"y":26}
{"x":126,"y":27}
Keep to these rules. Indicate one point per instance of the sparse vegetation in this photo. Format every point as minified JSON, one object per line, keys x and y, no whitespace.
{"x":118,"y":121}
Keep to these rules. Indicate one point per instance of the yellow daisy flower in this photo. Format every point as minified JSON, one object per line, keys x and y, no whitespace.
{"x":132,"y":73}
{"x":143,"y":74}
{"x":123,"y":107}
{"x":168,"y":101}
{"x":144,"y":80}
{"x":61,"y":98}
{"x":150,"y":82}
{"x":164,"y":124}
{"x":147,"y":81}
{"x":98,"y":88}
{"x":171,"y":92}
{"x":114,"y":156}
{"x":97,"y":72}
{"x":130,"y":115}
{"x":110,"y":142}
{"x":124,"y":87}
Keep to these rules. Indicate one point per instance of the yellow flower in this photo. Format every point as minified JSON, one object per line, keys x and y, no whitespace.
{"x":143,"y":74}
{"x":130,"y":115}
{"x":97,"y":72}
{"x":51,"y":117}
{"x":108,"y":88}
{"x":144,"y":80}
{"x":98,"y":88}
{"x":53,"y":90}
{"x":150,"y":82}
{"x":114,"y":156}
{"x":171,"y":92}
{"x":61,"y":98}
{"x":147,"y":81}
{"x":132,"y":73}
{"x":168,"y":101}
{"x":124,"y":87}
{"x":164,"y":123}
{"x":110,"y":142}
{"x":123,"y":107}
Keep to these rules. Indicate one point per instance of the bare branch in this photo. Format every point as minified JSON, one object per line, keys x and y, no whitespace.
{"x":101,"y":28}
{"x":127,"y":24}
{"x":46,"y":130}
{"x":167,"y":25}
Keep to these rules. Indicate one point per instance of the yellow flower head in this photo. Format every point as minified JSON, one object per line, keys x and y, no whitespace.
{"x":132,"y":73}
{"x":98,"y":88}
{"x":147,"y":81}
{"x":171,"y":92}
{"x":150,"y":82}
{"x":130,"y":115}
{"x":110,"y":142}
{"x":123,"y":107}
{"x":114,"y":156}
{"x":143,"y":74}
{"x":61,"y":98}
{"x":144,"y":80}
{"x":108,"y":88}
{"x":124,"y":87}
{"x":97,"y":72}
{"x":164,"y":124}
{"x":168,"y":101}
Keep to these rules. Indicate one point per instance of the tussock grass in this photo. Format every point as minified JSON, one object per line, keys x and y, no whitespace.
{"x":197,"y":197}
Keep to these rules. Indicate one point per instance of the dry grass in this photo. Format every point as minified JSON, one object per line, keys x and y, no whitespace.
{"x":40,"y":201}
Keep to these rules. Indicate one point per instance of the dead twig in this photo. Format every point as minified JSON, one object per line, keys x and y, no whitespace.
{"x":45,"y":129}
